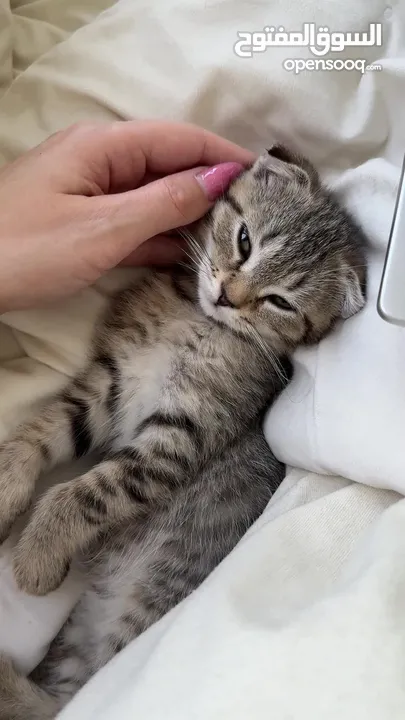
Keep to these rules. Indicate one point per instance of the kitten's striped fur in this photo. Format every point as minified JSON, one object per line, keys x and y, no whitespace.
{"x":173,"y":395}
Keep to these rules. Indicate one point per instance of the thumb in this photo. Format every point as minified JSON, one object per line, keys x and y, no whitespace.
{"x":165,"y":204}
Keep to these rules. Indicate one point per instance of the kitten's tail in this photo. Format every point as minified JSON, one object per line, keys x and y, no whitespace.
{"x":21,"y":699}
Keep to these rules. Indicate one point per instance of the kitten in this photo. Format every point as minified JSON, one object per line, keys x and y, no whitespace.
{"x":181,"y":370}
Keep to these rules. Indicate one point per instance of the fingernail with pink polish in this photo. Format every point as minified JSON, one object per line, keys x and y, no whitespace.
{"x":216,"y":180}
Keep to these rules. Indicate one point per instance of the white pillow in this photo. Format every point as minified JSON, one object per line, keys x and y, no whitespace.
{"x":344,"y":412}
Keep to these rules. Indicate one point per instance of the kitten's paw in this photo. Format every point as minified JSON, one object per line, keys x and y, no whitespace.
{"x":19,"y":468}
{"x":38,"y":572}
{"x":9,"y":688}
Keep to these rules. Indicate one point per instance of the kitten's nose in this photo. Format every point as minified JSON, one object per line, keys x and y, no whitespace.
{"x":223,"y":299}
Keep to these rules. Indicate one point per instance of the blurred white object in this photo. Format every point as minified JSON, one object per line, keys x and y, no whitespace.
{"x":391,"y":300}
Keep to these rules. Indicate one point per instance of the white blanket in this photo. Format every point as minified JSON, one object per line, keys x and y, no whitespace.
{"x":304,"y":615}
{"x":304,"y":621}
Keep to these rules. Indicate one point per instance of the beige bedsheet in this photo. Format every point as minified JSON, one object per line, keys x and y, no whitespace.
{"x":30,"y":28}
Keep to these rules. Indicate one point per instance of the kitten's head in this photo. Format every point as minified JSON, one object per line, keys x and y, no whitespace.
{"x":281,"y":258}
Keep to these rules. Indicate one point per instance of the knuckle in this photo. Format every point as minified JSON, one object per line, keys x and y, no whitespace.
{"x":81,"y":129}
{"x":83,"y":126}
{"x":58,"y":135}
{"x":178,"y":197}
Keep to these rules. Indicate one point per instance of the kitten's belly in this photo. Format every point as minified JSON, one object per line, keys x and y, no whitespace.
{"x":144,"y":384}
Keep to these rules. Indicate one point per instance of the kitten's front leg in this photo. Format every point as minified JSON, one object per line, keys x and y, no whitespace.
{"x":20,"y":466}
{"x":71,"y":515}
{"x":130,"y":482}
{"x":37,"y":446}
{"x":68,"y":426}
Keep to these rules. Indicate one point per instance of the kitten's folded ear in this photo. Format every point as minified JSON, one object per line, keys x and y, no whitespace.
{"x":279,"y":160}
{"x":354,"y":297}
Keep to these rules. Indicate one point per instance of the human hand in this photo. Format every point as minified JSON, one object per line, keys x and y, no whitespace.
{"x":93,"y":196}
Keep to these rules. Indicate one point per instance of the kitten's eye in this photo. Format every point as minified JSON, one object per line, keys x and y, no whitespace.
{"x":244,"y":244}
{"x":279,"y":302}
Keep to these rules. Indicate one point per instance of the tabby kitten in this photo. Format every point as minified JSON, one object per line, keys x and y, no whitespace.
{"x":181,"y":370}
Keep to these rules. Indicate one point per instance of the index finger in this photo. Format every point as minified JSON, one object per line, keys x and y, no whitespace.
{"x":171,"y":147}
{"x":121,"y":153}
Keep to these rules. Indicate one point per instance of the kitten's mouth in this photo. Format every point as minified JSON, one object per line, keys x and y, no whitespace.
{"x":223,"y":314}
